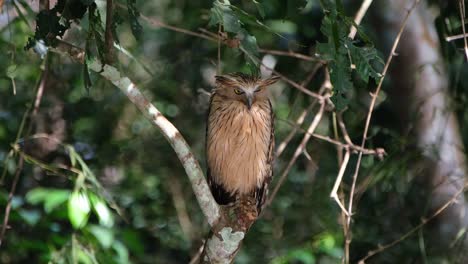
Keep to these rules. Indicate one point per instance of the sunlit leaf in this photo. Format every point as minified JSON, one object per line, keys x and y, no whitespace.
{"x":102,"y":210}
{"x":79,"y":209}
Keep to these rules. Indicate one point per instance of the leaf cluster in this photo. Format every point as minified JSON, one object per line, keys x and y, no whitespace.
{"x":344,"y":54}
{"x":233,"y":20}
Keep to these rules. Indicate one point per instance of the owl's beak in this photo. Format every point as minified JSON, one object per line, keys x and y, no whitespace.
{"x":249,"y":100}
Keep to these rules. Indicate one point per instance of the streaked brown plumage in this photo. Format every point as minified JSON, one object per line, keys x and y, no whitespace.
{"x":240,"y":138}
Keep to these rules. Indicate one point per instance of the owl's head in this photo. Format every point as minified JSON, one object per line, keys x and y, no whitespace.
{"x":244,"y":88}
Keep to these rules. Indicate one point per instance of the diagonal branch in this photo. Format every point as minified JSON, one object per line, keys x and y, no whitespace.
{"x":200,"y":187}
{"x":205,"y":199}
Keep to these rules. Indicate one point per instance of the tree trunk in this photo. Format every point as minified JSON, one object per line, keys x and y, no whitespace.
{"x":420,"y":97}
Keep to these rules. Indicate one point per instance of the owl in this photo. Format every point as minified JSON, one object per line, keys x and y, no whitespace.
{"x":240,"y":139}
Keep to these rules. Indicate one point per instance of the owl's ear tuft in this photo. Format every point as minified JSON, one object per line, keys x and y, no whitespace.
{"x":222,"y":80}
{"x":270,"y":81}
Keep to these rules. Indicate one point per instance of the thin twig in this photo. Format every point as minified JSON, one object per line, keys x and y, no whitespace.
{"x":343,"y":129}
{"x":359,"y":16}
{"x":196,"y":258}
{"x":284,"y":78}
{"x":461,"y":5}
{"x":236,"y":43}
{"x":204,"y":36}
{"x":312,"y":74}
{"x":298,"y":151}
{"x":424,"y":221}
{"x":369,"y":116}
{"x":215,"y":38}
{"x":158,"y":23}
{"x":219,"y":51}
{"x":290,"y":54}
{"x":19,"y":168}
{"x":292,"y":133}
{"x":455,"y":37}
{"x":334,"y":192}
{"x":379,"y":152}
{"x":305,"y":112}
{"x":337,"y":138}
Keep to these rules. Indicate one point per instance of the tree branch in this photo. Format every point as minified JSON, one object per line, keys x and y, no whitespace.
{"x":200,"y":187}
{"x":109,"y":38}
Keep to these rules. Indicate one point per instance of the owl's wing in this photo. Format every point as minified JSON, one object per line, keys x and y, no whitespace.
{"x":262,"y":192}
{"x":221,"y":196}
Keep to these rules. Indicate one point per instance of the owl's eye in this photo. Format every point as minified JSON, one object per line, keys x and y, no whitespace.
{"x":259,"y":89}
{"x":238,"y":91}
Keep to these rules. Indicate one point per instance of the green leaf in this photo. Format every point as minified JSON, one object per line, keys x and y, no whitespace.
{"x":134,"y":14}
{"x":249,"y":46}
{"x":249,"y":19}
{"x":11,"y":71}
{"x":52,"y":198}
{"x":85,"y":257}
{"x":222,"y":14}
{"x":340,"y":77}
{"x":37,"y":195}
{"x":116,"y":22}
{"x":339,"y":100}
{"x":104,"y":235}
{"x":325,"y":51}
{"x":102,"y":210}
{"x":122,"y":252}
{"x":96,"y":31}
{"x":55,"y":198}
{"x":78,"y":209}
{"x":303,"y":255}
{"x":363,"y":59}
{"x":31,"y":217}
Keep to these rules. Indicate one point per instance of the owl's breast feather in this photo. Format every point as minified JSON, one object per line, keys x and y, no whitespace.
{"x":238,"y":142}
